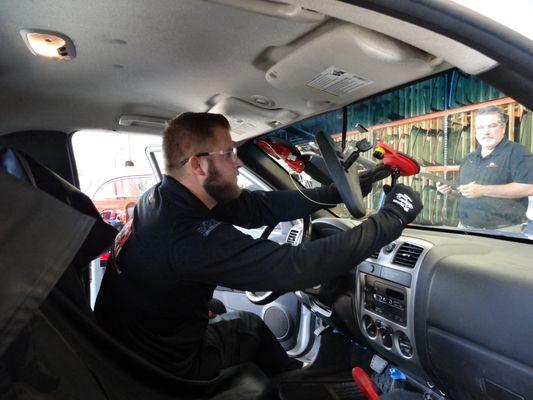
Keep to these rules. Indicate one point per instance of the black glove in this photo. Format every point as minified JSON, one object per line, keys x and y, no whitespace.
{"x":367,"y":178}
{"x":403,"y":202}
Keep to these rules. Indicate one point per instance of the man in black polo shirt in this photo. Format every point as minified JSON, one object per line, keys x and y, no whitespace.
{"x":181,"y":244}
{"x":495,"y":179}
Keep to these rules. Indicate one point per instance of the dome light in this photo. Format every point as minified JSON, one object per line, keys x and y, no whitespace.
{"x":48,"y":44}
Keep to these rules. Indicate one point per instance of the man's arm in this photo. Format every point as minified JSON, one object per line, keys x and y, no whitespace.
{"x":511,"y":190}
{"x":259,"y":208}
{"x":233,"y":259}
{"x":521,"y":185}
{"x":238,"y":261}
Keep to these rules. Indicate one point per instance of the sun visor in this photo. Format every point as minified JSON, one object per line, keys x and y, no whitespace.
{"x":247,"y":119}
{"x":341,"y":62}
{"x":39,"y":237}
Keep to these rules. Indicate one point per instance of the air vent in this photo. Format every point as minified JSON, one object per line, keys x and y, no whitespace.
{"x":293,"y":236}
{"x":408,"y":255}
{"x":375,"y":254}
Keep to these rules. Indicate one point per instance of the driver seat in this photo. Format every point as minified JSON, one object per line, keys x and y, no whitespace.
{"x":61,"y":351}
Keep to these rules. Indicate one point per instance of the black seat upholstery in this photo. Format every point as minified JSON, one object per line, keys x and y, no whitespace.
{"x":62,"y":352}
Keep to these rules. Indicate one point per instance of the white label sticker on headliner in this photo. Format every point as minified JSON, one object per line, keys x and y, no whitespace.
{"x":240,"y":127}
{"x":337,"y":81}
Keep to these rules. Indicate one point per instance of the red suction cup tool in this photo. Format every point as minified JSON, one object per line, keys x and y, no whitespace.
{"x":279,"y":148}
{"x":396,"y":161}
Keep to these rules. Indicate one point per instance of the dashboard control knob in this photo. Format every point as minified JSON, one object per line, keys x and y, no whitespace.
{"x":386,"y":336}
{"x":390,"y":247}
{"x":370,"y":327}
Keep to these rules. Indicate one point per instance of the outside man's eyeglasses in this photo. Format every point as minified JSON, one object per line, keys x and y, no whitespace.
{"x":230,"y":155}
{"x":492,"y":126}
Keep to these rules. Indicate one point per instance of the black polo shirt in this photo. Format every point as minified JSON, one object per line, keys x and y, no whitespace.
{"x":508,"y":162}
{"x":178,"y":251}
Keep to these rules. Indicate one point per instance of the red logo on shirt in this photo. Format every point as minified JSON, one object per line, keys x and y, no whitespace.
{"x":122,"y":237}
{"x":120,"y":240}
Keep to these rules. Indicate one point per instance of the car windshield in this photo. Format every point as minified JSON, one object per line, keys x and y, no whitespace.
{"x":434,"y":121}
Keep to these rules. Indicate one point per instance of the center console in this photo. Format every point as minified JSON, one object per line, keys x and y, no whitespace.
{"x":386,"y":284}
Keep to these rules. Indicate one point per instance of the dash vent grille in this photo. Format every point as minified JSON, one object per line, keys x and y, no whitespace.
{"x":292,"y":236}
{"x":407,"y":255}
{"x":375,"y":254}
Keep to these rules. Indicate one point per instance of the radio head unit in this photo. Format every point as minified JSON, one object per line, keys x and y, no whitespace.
{"x":385,"y":299}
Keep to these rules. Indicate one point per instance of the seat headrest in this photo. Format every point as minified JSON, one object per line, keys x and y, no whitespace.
{"x":14,"y":164}
{"x":25,"y":168}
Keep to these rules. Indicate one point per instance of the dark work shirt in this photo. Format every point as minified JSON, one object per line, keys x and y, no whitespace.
{"x":508,"y":162}
{"x":178,"y":251}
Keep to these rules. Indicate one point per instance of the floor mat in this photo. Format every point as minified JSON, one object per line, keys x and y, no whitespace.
{"x":320,"y":391}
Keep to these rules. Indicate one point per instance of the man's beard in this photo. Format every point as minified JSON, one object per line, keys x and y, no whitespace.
{"x":218,"y":189}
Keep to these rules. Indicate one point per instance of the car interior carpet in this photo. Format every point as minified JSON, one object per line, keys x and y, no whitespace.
{"x":403,"y":395}
{"x":340,"y":386}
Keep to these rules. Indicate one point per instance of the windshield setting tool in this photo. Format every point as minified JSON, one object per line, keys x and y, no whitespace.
{"x":398,"y":163}
{"x":361,"y":146}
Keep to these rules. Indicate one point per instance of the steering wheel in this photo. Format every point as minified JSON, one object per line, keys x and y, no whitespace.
{"x":347,"y":183}
{"x":349,"y":189}
{"x":262,"y":298}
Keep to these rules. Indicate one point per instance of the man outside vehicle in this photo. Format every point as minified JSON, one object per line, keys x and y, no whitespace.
{"x":182,"y":243}
{"x":495,"y":179}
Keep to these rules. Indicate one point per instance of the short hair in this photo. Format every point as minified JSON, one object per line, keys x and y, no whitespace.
{"x":492,"y":110}
{"x":187,"y":134}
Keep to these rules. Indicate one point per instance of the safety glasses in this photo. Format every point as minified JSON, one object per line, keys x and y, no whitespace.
{"x":230,"y":155}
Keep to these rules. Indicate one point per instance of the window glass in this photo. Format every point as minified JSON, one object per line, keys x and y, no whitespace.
{"x":114,"y":170}
{"x":247,"y":180}
{"x":434,"y":122}
{"x":124,"y":187}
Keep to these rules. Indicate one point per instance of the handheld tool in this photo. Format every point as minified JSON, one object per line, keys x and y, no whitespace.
{"x":398,"y":163}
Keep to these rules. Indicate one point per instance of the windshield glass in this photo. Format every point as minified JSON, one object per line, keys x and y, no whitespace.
{"x":473,"y":144}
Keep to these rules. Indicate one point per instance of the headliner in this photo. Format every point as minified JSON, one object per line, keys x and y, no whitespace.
{"x":160,"y":58}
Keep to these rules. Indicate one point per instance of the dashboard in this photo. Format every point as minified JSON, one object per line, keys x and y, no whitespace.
{"x":452,"y":311}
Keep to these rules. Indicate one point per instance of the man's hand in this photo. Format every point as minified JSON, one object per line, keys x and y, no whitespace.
{"x":472,"y":190}
{"x":443,"y":188}
{"x":367,"y":178}
{"x":403,"y":202}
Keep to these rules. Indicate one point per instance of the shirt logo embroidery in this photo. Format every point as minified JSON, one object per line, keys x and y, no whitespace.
{"x":120,"y":240}
{"x":492,"y":165}
{"x":208,"y":226}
